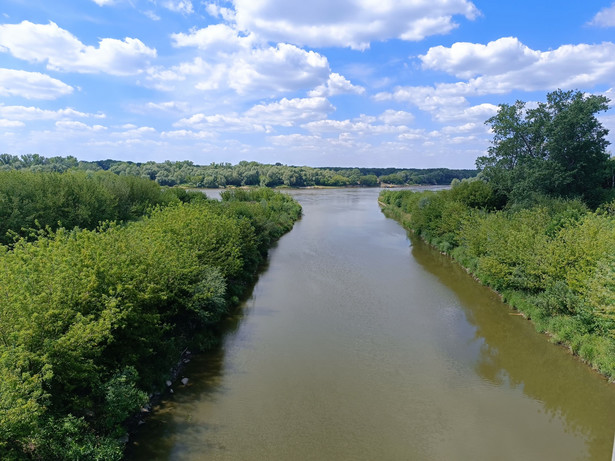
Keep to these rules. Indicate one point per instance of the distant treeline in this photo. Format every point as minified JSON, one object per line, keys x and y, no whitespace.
{"x":94,"y":316}
{"x":245,"y":173}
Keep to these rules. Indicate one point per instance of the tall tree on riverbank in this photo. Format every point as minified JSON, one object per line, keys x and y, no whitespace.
{"x":556,"y":149}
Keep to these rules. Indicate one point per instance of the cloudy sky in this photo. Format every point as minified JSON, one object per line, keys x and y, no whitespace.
{"x":404,"y":83}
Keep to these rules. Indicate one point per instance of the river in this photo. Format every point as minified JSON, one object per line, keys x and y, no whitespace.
{"x":361,"y":343}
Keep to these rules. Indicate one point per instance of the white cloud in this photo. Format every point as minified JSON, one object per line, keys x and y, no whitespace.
{"x":217,"y":11}
{"x":500,"y":67}
{"x":262,"y":117}
{"x":396,"y":117}
{"x":31,"y":85}
{"x":186,"y":134}
{"x":280,"y":69}
{"x":64,"y":52}
{"x":478,"y":113}
{"x":4,"y":123}
{"x":220,"y":122}
{"x":390,"y":122}
{"x":349,"y":23}
{"x":217,"y":37}
{"x":605,"y":17}
{"x":150,"y":14}
{"x":295,"y":140}
{"x":73,"y":125}
{"x":179,"y":6}
{"x":426,"y":98}
{"x":35,"y":113}
{"x":231,"y":61}
{"x":104,"y":2}
{"x":350,"y":129}
{"x":466,"y":128}
{"x":133,"y":132}
{"x":288,"y":112}
{"x":168,"y":106}
{"x":568,"y":66}
{"x":337,"y":84}
{"x":446,"y":102}
{"x":467,"y":60}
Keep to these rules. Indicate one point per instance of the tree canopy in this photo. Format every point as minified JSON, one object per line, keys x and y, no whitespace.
{"x":557,"y":149}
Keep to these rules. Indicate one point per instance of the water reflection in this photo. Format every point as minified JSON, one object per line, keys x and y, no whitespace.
{"x":513,"y":355}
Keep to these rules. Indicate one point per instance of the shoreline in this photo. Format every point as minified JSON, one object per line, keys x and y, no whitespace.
{"x":402,"y":219}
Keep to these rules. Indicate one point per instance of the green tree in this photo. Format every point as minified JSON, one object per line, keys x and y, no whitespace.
{"x":556,"y":149}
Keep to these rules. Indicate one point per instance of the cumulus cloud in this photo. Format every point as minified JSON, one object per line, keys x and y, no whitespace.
{"x":217,"y":37}
{"x":279,"y":69}
{"x":396,"y":117}
{"x":220,"y":122}
{"x":446,"y":102}
{"x":467,"y":60}
{"x":500,"y":67}
{"x":389,"y":123}
{"x":568,"y":66}
{"x":31,"y":85}
{"x":4,"y":123}
{"x":263,"y":117}
{"x":605,"y":17}
{"x":350,"y":23}
{"x":337,"y":84}
{"x":288,"y":112}
{"x":232,"y":61}
{"x":64,"y":52}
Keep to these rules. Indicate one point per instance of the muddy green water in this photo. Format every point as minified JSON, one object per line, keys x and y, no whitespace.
{"x":360,"y":344}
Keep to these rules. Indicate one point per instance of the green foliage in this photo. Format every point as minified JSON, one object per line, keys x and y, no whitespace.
{"x":72,"y":439}
{"x":557,"y":149}
{"x":92,"y":320}
{"x":475,"y":193}
{"x":31,"y":201}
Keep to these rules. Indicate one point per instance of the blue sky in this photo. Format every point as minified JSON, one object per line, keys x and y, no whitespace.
{"x":403,"y":83}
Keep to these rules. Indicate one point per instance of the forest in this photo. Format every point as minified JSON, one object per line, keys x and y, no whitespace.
{"x":104,"y":281}
{"x":186,"y":173}
{"x":538,"y":222}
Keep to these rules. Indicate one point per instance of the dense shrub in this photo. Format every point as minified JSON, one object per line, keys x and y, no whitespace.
{"x":30,"y":201}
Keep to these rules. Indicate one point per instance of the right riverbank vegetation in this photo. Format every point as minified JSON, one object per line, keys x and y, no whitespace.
{"x":94,"y":315}
{"x":538,"y":222}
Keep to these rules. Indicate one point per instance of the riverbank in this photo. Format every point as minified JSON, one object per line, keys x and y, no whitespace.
{"x":553,"y":265}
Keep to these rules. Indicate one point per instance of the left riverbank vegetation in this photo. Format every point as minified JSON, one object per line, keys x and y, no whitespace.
{"x":538,"y":222}
{"x":215,"y":175}
{"x":93,"y":315}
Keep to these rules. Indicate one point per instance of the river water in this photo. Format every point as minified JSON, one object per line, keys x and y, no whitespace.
{"x":360,"y":343}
